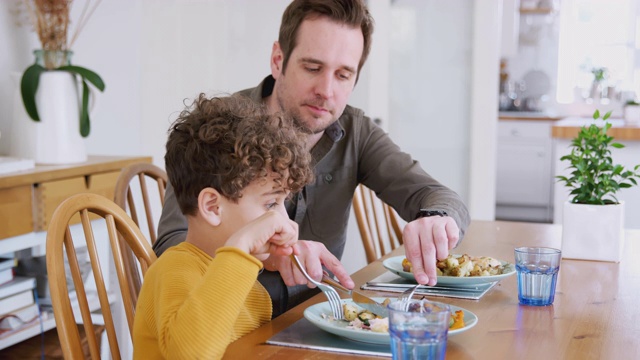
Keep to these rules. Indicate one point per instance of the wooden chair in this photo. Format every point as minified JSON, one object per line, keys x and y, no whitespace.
{"x":124,"y":197}
{"x":378,"y":224}
{"x":121,"y":233}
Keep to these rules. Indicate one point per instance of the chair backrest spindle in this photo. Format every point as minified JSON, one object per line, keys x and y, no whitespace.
{"x":124,"y":197}
{"x":377,"y":222}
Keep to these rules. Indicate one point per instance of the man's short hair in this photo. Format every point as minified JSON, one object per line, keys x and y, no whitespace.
{"x":353,"y":13}
{"x":228,"y":142}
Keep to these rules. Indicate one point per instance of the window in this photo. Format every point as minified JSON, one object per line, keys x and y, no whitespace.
{"x":597,"y":34}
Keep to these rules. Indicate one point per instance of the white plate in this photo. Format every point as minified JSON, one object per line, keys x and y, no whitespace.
{"x":394,"y":265}
{"x":314,"y":314}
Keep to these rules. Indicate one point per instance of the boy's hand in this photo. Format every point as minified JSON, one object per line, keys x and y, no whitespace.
{"x":312,"y":255}
{"x":270,"y":234}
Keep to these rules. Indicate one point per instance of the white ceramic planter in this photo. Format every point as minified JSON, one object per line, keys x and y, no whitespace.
{"x":56,"y":138}
{"x":593,"y":232}
{"x":632,"y":114}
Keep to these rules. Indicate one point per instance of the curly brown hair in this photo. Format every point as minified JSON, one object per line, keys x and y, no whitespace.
{"x":353,"y":13}
{"x":228,"y":142}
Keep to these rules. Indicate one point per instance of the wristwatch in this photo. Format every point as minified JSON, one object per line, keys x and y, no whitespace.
{"x":426,"y":213}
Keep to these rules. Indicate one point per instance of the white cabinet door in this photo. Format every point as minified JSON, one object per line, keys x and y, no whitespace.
{"x":524,"y":163}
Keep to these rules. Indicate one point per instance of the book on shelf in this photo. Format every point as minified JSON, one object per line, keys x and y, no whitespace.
{"x":19,"y":317}
{"x":8,"y":263}
{"x":18,"y":284}
{"x":16,"y":301}
{"x":6,"y":269}
{"x":6,"y":275}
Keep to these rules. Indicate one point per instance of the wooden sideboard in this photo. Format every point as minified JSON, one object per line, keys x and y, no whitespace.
{"x":28,"y":199}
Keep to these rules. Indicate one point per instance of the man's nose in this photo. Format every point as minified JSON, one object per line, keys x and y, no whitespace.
{"x":324,"y":85}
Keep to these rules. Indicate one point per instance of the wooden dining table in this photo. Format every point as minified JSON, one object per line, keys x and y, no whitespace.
{"x":595,"y":315}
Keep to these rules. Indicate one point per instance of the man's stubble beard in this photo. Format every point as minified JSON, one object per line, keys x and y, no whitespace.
{"x":297,"y":119}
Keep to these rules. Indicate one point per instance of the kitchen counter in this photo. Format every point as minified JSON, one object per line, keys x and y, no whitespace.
{"x":528,"y":116}
{"x":568,"y":128}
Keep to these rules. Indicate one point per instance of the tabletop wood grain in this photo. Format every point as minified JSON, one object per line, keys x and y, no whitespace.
{"x":595,"y":315}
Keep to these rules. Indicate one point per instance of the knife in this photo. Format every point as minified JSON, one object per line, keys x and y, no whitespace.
{"x":358,"y":298}
{"x":368,"y":303}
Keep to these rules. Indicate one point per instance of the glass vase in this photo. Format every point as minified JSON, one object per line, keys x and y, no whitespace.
{"x":53,"y":59}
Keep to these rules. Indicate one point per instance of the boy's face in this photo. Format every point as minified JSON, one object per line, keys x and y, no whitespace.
{"x":259,"y":197}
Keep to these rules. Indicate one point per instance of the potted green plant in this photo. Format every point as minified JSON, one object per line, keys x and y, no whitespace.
{"x":593,"y":218}
{"x":50,"y":87}
{"x":600,"y":74}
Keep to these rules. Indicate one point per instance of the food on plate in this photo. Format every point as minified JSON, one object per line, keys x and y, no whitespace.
{"x":364,"y":319}
{"x":463,"y":266}
{"x":406,"y":265}
{"x":368,"y":321}
{"x":457,"y":320}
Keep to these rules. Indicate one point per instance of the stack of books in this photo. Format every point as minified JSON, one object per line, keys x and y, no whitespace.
{"x":17,"y":303}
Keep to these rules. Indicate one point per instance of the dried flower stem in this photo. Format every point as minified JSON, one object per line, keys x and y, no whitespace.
{"x":84,"y":18}
{"x":50,"y":19}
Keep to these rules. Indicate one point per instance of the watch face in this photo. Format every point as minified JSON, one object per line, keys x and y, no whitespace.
{"x":427,"y":213}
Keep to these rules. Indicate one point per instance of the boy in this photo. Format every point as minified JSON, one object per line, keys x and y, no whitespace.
{"x":232,"y":165}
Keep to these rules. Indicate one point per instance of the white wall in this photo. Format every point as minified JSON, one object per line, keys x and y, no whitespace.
{"x":153,"y":55}
{"x":430,"y":66}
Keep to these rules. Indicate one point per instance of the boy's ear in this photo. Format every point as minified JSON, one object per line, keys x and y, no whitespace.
{"x":209,"y":201}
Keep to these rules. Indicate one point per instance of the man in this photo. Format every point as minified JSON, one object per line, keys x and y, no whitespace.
{"x":315,"y":64}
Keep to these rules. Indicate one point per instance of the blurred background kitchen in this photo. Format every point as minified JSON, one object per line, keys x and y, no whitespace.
{"x":568,"y":57}
{"x":470,"y":88}
{"x":561,"y":60}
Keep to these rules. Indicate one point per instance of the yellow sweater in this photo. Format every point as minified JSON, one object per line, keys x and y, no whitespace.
{"x":192,"y":306}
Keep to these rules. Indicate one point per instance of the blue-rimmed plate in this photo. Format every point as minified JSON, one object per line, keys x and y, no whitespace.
{"x":318,"y":315}
{"x":394,"y":265}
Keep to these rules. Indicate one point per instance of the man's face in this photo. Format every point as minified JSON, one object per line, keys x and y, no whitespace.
{"x":320,"y":74}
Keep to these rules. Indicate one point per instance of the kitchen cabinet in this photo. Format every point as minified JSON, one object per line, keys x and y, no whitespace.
{"x":524,"y":179}
{"x":27,"y":201}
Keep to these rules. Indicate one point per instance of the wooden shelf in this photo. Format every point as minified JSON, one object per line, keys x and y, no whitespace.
{"x":536,"y":11}
{"x":29,"y":331}
{"x":49,"y":321}
{"x":18,"y":207}
{"x":94,"y":165}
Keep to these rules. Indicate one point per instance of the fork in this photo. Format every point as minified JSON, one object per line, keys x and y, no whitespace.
{"x":330,"y":292}
{"x":405,"y":297}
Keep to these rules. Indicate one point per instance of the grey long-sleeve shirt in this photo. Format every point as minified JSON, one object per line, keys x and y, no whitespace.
{"x":353,"y":150}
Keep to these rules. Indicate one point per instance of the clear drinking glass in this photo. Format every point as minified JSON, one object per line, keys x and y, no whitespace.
{"x":537,"y":269}
{"x":420,"y":332}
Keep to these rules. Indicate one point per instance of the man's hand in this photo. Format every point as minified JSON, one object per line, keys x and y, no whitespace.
{"x":427,"y":239}
{"x":312,"y":255}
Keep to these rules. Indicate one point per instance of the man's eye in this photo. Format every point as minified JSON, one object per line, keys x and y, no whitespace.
{"x":344,"y":76}
{"x":309,"y":69}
